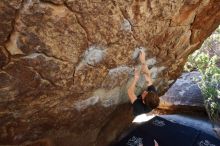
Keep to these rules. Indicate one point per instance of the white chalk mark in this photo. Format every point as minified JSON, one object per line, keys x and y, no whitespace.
{"x":137,"y":51}
{"x":151,"y":61}
{"x":83,"y":104}
{"x":119,"y":70}
{"x":126,"y":25}
{"x":94,"y":55}
{"x":156,"y":70}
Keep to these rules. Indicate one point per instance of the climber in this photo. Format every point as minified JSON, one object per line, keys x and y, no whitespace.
{"x":142,"y":104}
{"x":149,"y":98}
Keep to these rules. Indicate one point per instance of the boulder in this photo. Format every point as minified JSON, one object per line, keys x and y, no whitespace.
{"x":65,"y":64}
{"x":184,"y":92}
{"x":184,"y":96}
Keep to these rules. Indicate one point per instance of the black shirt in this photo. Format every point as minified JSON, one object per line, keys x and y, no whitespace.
{"x":139,"y":107}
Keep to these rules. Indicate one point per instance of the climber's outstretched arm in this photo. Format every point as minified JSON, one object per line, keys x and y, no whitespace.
{"x":131,"y":89}
{"x":144,"y":68}
{"x":147,"y":75}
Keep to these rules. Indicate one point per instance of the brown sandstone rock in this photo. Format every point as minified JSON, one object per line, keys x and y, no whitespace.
{"x":65,"y":64}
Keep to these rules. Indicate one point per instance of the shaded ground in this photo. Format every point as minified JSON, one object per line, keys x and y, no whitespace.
{"x":197,"y":122}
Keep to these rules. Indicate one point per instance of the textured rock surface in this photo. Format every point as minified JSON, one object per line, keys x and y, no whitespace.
{"x":65,"y":63}
{"x":184,"y":91}
{"x":184,"y":96}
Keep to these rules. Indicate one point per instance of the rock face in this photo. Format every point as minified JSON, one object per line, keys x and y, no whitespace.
{"x":185,"y":91}
{"x":184,"y":96}
{"x":65,"y":64}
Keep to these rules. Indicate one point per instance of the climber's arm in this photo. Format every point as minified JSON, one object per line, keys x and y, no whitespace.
{"x":147,"y":74}
{"x":131,"y":89}
{"x":144,"y":68}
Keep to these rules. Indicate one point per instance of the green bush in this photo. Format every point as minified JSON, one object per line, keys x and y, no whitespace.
{"x":209,"y":82}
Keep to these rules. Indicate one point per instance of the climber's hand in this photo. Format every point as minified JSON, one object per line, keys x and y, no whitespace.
{"x":142,"y":56}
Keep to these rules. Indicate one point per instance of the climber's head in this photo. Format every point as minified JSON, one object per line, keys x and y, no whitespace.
{"x":150,"y":98}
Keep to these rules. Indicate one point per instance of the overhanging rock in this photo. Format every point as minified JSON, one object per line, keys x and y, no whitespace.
{"x":65,"y":64}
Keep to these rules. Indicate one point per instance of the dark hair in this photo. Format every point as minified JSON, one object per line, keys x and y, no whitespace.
{"x":152,"y":100}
